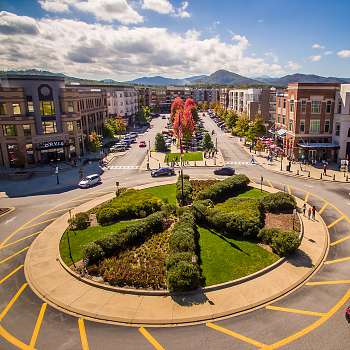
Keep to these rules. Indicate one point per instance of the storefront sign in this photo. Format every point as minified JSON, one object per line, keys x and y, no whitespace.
{"x":51,"y":144}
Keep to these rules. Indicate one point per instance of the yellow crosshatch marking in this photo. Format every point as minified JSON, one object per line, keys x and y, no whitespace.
{"x":12,"y":301}
{"x":236,"y":335}
{"x":83,"y":336}
{"x":341,"y":240}
{"x":39,"y":223}
{"x":13,"y":255}
{"x":335,"y":261}
{"x":327,"y":283}
{"x":150,"y":339}
{"x":20,"y":240}
{"x":38,"y":326}
{"x":325,"y":205}
{"x":295,"y":311}
{"x":289,"y":189}
{"x":307,"y":197}
{"x":336,"y":221}
{"x":10,"y":274}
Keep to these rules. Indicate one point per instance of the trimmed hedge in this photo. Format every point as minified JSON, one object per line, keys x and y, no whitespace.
{"x":279,"y":202}
{"x":187,"y":190}
{"x":129,"y":205}
{"x":282,"y":242}
{"x":183,"y":275}
{"x":79,"y":222}
{"x":128,"y":237}
{"x":222,"y":190}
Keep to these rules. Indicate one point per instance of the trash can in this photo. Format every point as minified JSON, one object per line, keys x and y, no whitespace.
{"x":288,"y":167}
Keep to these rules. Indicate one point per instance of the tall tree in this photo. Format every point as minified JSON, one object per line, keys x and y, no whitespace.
{"x":94,"y":142}
{"x":119,"y":126}
{"x":207,"y":142}
{"x":242,"y":126}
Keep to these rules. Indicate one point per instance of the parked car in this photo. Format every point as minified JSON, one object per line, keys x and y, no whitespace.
{"x":163,"y":116}
{"x":142,"y":144}
{"x":118,"y":148}
{"x":89,"y":181}
{"x":225,"y":171}
{"x":163,"y":172}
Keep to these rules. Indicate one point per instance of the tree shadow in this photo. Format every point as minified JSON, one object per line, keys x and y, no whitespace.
{"x":300,"y":259}
{"x":191,"y":298}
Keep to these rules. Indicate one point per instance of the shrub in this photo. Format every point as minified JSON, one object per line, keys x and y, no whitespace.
{"x":222,"y":190}
{"x":175,"y":258}
{"x":278,"y":202}
{"x":187,"y":190}
{"x":285,"y":243}
{"x":92,"y":253}
{"x":79,"y":222}
{"x":266,"y":234}
{"x":183,"y":276}
{"x":160,"y":143}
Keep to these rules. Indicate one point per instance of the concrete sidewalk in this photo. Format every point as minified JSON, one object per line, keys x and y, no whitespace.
{"x":50,"y":280}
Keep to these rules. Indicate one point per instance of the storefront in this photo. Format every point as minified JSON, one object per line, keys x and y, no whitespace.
{"x":51,"y":151}
{"x":318,"y":151}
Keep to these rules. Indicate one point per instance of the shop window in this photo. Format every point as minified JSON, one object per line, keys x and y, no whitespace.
{"x":16,"y":107}
{"x":9,"y":130}
{"x":49,"y":127}
{"x":2,"y":108}
{"x":13,"y":154}
{"x":47,"y":108}
{"x":30,"y":153}
{"x":27,"y":130}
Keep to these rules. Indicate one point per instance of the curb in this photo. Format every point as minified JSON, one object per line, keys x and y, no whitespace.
{"x":11,"y":209}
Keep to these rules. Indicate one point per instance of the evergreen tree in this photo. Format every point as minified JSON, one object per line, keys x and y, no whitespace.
{"x":160,"y":143}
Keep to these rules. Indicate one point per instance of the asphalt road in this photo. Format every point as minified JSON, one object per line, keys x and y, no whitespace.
{"x":312,"y":317}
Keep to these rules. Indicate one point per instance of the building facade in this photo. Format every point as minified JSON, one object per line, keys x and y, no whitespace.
{"x":341,"y":124}
{"x":201,"y":95}
{"x":42,"y":121}
{"x":304,"y":121}
{"x":224,"y":98}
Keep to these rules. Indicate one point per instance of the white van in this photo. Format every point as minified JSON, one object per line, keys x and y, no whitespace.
{"x":89,"y":181}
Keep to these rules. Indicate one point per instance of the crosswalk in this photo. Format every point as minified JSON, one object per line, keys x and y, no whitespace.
{"x":123,"y":167}
{"x":239,"y":163}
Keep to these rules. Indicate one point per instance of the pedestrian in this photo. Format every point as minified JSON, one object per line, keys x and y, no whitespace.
{"x":250,"y":148}
{"x":313,"y":212}
{"x":324,"y":169}
{"x":253,"y":160}
{"x":309,"y":213}
{"x":304,"y":209}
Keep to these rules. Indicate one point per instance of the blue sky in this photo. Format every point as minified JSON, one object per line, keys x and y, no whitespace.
{"x":124,"y":39}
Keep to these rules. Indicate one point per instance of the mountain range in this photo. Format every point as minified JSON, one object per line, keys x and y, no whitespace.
{"x":218,"y":78}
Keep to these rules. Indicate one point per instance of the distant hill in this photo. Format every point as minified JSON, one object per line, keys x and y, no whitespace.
{"x":302,"y":78}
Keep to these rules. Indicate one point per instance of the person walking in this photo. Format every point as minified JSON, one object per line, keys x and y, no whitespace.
{"x":309,"y":213}
{"x":304,"y":209}
{"x":253,"y":160}
{"x":313,"y":213}
{"x":324,"y":169}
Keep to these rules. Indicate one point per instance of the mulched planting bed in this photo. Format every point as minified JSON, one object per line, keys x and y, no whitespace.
{"x":282,"y":220}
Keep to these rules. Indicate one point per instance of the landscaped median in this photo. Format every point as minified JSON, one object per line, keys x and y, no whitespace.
{"x":229,"y":265}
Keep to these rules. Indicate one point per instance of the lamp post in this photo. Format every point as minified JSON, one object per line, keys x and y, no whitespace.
{"x":294,"y":214}
{"x":69,"y":247}
{"x":261,"y":183}
{"x":281,"y":161}
{"x":57,"y":178}
{"x":117,"y":191}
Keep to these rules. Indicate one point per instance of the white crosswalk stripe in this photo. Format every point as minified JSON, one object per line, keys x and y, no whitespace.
{"x":123,"y":167}
{"x":239,"y":163}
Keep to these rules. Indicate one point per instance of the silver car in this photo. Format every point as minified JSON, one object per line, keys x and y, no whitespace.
{"x":89,"y":181}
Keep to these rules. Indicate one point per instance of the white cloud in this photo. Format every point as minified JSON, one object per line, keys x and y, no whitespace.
{"x":315,"y":58}
{"x":293,"y":66}
{"x":122,"y":53}
{"x":327,"y":53}
{"x":344,"y":53}
{"x":160,"y":6}
{"x":11,"y":24}
{"x":182,"y":10}
{"x":55,"y":5}
{"x":272,"y":56}
{"x":318,"y":46}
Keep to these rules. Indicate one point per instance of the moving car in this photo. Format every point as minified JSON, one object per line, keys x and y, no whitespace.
{"x":163,"y":117}
{"x":163,"y":172}
{"x":118,"y":148}
{"x":89,"y":181}
{"x":142,"y":144}
{"x":225,"y":171}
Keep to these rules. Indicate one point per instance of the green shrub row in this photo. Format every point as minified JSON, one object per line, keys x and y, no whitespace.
{"x":181,"y":273}
{"x":282,"y":242}
{"x":130,"y":236}
{"x":129,"y":205}
{"x":279,"y":202}
{"x":187,"y":190}
{"x":222,"y":190}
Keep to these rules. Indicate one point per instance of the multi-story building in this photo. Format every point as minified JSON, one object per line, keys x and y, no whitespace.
{"x":304,"y":119}
{"x":224,"y":98}
{"x":341,"y":124}
{"x":41,"y":120}
{"x":205,"y":95}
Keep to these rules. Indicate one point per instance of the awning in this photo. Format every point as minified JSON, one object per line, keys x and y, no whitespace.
{"x":319,"y":145}
{"x":281,"y":132}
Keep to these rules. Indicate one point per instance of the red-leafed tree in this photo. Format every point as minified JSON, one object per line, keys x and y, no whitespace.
{"x":182,"y":118}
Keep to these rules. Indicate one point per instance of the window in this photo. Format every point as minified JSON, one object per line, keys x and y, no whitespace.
{"x":49,"y":127}
{"x":9,"y":130}
{"x":302,"y":126}
{"x":337,"y":129}
{"x":70,"y":107}
{"x":329,"y":107}
{"x":27,"y":130}
{"x":2,"y":109}
{"x":327,"y":125}
{"x":30,"y":106}
{"x":47,"y":108}
{"x":340,"y":104}
{"x":70,"y":126}
{"x":16,"y":108}
{"x":315,"y":107}
{"x":78,"y":124}
{"x":291,"y":105}
{"x":303,"y":106}
{"x":314,"y":126}
{"x":284,"y":103}
{"x":13,"y":154}
{"x":290,"y":125}
{"x":30,"y":153}
{"x":278,"y":118}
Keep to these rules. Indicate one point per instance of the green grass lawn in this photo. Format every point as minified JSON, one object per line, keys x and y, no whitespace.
{"x":78,"y":239}
{"x":187,"y":156}
{"x":225,"y":259}
{"x":164,"y":192}
{"x":252,"y":193}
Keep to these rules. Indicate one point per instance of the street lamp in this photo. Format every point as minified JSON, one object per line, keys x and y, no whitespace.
{"x":69,"y":247}
{"x":261,"y":183}
{"x":281,"y":161}
{"x":56,"y":172}
{"x":117,"y":191}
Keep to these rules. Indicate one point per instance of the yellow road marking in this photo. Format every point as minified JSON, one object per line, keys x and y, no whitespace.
{"x":340,"y":241}
{"x":13,"y":340}
{"x":83,"y":337}
{"x":11,"y":273}
{"x":20,"y":240}
{"x":295,"y":311}
{"x":236,"y":335}
{"x":326,"y":283}
{"x":311,"y":327}
{"x":289,"y":189}
{"x":59,"y":210}
{"x":13,"y":255}
{"x":336,"y":221}
{"x":38,"y":325}
{"x":335,"y":261}
{"x":12,"y":301}
{"x":270,"y":183}
{"x":150,"y":339}
{"x":39,"y":223}
{"x":325,"y":205}
{"x":307,"y":195}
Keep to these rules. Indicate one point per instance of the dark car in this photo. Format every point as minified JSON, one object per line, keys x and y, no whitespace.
{"x":225,"y":171}
{"x":163,"y":172}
